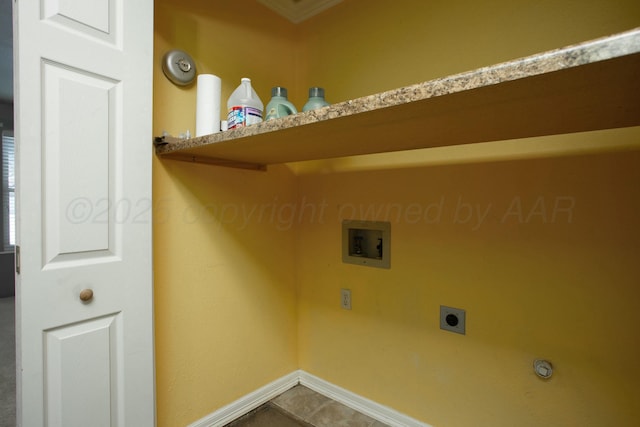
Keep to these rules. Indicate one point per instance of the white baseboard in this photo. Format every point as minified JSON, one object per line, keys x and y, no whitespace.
{"x":264,"y":394}
{"x":361,"y":404}
{"x":248,"y":403}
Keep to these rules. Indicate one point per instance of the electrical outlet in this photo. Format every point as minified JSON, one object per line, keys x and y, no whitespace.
{"x":453,"y":319}
{"x":345,"y":298}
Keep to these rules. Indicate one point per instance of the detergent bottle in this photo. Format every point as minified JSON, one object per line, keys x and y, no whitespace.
{"x":316,"y":99}
{"x":279,"y":105}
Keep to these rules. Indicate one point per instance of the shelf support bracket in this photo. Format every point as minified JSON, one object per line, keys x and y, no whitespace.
{"x":185,"y":157}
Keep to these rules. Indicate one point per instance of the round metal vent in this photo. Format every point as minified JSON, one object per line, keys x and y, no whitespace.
{"x":179,"y":67}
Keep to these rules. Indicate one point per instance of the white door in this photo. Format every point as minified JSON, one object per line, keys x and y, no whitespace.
{"x":83,"y":164}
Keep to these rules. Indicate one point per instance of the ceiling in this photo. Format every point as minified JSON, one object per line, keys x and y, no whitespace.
{"x":6,"y":52}
{"x":297,"y":11}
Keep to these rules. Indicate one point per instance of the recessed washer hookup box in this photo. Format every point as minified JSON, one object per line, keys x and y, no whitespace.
{"x":366,"y":243}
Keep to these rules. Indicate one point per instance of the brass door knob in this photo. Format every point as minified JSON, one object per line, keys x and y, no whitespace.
{"x":86,"y":295}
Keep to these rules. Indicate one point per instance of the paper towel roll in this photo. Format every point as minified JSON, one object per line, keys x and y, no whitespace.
{"x":208,"y":104}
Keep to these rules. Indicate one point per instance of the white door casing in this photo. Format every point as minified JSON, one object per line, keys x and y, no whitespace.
{"x":83,"y":98}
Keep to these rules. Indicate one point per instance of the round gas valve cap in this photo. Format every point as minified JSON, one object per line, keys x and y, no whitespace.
{"x":542,"y":368}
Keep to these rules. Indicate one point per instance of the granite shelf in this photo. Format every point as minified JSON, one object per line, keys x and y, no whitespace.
{"x":589,"y":86}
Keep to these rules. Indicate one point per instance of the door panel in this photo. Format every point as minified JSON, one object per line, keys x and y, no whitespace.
{"x":81,"y":365}
{"x":83,"y":175}
{"x":79,"y":131}
{"x":95,"y":18}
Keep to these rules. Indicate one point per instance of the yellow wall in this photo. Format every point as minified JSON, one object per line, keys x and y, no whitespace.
{"x":542,"y":255}
{"x":540,"y":272}
{"x":540,"y":250}
{"x":225,"y":297}
{"x":362,"y":47}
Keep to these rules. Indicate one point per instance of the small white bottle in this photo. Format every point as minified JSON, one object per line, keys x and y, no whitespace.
{"x":244,"y":106}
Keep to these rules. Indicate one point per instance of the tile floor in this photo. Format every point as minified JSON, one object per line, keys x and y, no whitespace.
{"x":303,"y":407}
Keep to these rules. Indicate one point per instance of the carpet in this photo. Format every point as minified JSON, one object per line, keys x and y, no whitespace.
{"x":7,"y":363}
